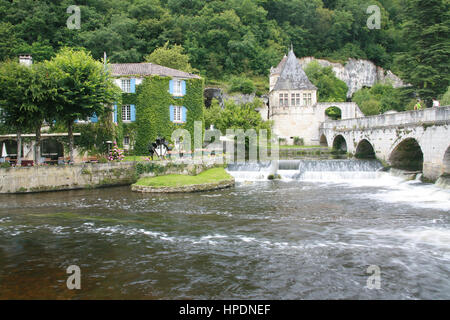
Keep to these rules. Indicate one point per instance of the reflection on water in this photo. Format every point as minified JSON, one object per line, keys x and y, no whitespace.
{"x":309,"y":238}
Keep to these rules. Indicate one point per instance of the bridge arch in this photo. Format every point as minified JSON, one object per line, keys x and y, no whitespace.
{"x":446,"y":161}
{"x":365,"y":150}
{"x":340,"y":144}
{"x":407,"y":155}
{"x":323,"y":141}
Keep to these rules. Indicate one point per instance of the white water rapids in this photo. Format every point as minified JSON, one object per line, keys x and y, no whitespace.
{"x":390,"y":187}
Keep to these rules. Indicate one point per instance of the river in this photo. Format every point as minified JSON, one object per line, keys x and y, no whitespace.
{"x":311,"y":235}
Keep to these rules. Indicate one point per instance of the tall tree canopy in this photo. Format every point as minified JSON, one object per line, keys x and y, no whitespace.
{"x":329,"y":87}
{"x":424,"y":61}
{"x":84,"y":88}
{"x":235,"y":37}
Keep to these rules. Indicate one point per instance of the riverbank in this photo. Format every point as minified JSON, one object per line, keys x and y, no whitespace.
{"x":94,"y":175}
{"x":211,"y":179}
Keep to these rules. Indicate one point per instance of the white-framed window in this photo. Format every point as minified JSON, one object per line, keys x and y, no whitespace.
{"x":284,"y":99}
{"x":126,"y":113}
{"x":298,"y":99}
{"x":177,"y":88}
{"x":126,"y":141}
{"x":177,"y":114}
{"x":293,"y":99}
{"x":309,"y":99}
{"x":126,"y":85}
{"x":305,"y":99}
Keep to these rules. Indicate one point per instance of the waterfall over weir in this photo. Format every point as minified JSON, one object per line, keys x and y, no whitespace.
{"x":313,"y":170}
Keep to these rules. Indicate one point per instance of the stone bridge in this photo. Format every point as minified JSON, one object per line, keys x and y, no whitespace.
{"x":412,"y":140}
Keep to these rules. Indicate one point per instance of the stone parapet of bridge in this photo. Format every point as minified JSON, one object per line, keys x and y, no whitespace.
{"x":414,"y":118}
{"x":429,"y":129}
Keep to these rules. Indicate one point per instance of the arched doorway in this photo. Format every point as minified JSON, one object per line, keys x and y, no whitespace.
{"x":11,"y":148}
{"x":365,"y":150}
{"x":333,"y":113}
{"x":446,"y":161}
{"x":407,"y":156}
{"x":323,"y":141}
{"x":339,"y":144}
{"x":52,"y":149}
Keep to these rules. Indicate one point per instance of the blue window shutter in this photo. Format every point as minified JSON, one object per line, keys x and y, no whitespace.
{"x":183,"y":87}
{"x":115,"y":113}
{"x":94,"y":118}
{"x":171,"y":87}
{"x":133,"y":85}
{"x":172,"y":116}
{"x":133,"y":112}
{"x":183,"y":114}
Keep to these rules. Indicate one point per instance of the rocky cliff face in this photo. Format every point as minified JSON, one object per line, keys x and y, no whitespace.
{"x":357,"y":73}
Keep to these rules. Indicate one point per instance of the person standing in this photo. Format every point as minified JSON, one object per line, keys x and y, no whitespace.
{"x":436,"y":103}
{"x":418,"y":106}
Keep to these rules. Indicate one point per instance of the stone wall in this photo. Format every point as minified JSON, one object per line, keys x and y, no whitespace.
{"x":89,"y":175}
{"x":68,"y":177}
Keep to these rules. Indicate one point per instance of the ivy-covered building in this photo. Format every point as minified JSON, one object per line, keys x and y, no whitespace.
{"x":156,"y":100}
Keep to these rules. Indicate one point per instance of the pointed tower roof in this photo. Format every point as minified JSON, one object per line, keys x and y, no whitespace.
{"x":279,"y":67}
{"x":292,"y":76}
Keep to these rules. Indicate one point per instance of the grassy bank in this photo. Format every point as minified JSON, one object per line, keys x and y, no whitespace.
{"x":178,"y":180}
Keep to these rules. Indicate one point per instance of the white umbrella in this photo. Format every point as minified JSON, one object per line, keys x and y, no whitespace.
{"x":4,"y":153}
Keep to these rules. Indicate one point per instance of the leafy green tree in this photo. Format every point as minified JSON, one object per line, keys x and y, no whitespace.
{"x":243,"y":85}
{"x":424,"y":60}
{"x":243,"y":116}
{"x":18,"y":101}
{"x":330,"y":88}
{"x":212,"y":114}
{"x":170,"y":57}
{"x":8,"y":41}
{"x":83,"y":88}
{"x":381,"y":98}
{"x":445,"y":101}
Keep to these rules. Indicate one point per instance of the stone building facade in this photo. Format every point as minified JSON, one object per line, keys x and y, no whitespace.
{"x":293,"y":106}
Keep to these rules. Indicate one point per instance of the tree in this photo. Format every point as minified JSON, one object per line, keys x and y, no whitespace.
{"x":170,"y":57}
{"x":18,"y":100}
{"x":84,"y":88}
{"x":445,"y":101}
{"x":329,"y":87}
{"x":243,"y":116}
{"x":424,"y":61}
{"x":8,"y":41}
{"x":381,"y":98}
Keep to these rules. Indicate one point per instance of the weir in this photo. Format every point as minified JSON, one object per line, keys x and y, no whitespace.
{"x":323,"y":170}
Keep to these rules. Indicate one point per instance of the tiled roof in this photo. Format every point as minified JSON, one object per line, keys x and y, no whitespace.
{"x":147,"y":69}
{"x":292,"y":76}
{"x":280,"y":66}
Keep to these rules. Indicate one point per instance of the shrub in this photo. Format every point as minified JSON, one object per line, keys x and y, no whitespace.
{"x":445,"y":101}
{"x":243,"y":85}
{"x":116,"y":153}
{"x":5,"y":165}
{"x":299,"y":141}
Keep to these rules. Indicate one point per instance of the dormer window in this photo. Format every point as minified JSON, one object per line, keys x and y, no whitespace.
{"x":126,"y":85}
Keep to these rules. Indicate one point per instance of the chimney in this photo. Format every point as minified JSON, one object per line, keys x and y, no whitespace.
{"x":26,"y":60}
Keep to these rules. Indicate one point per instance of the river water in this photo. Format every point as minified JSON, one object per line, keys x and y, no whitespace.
{"x":311,"y":235}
